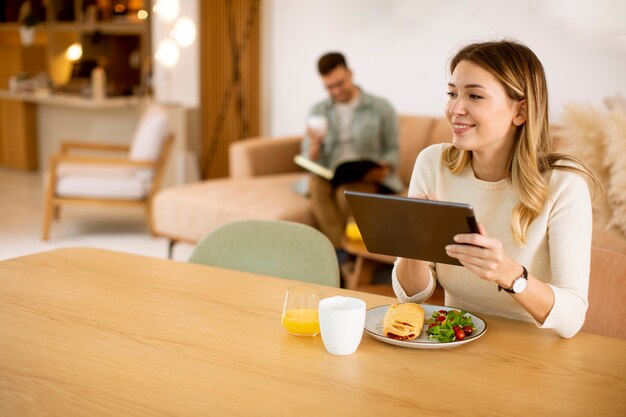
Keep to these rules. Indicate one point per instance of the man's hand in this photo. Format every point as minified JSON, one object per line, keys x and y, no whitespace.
{"x":317,"y":138}
{"x":377,"y":175}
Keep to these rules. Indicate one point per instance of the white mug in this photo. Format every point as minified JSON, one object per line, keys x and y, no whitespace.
{"x":342,"y":320}
{"x":318,"y":123}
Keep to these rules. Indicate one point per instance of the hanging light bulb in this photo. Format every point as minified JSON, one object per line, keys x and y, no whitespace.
{"x":74,"y":52}
{"x":167,"y":53}
{"x":167,"y":10}
{"x":184,"y":31}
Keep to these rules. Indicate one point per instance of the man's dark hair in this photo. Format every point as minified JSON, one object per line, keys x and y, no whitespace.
{"x":328,"y":62}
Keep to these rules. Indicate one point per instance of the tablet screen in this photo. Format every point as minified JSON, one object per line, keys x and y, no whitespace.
{"x":410,"y":227}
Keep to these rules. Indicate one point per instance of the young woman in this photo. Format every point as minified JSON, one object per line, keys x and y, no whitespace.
{"x":533,"y":205}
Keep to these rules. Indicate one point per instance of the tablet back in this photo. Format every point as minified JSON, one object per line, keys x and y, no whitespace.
{"x":409,"y":227}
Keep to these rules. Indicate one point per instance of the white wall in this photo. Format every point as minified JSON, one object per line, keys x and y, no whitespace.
{"x":178,"y":88}
{"x":181,"y":84}
{"x":399,"y":48}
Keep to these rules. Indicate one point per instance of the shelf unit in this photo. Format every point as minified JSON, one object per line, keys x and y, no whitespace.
{"x":103,"y":34}
{"x":122,"y":41}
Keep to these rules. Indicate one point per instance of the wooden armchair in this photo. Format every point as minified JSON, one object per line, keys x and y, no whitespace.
{"x":128,"y":180}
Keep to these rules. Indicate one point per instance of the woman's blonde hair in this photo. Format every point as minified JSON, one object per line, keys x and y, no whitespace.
{"x":522,"y":75}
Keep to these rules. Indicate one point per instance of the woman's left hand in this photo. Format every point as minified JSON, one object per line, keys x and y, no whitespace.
{"x":484,"y":256}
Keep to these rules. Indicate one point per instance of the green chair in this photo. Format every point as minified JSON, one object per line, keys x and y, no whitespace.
{"x":277,"y":248}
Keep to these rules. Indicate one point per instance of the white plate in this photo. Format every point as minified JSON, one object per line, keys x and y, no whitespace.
{"x":374,"y":327}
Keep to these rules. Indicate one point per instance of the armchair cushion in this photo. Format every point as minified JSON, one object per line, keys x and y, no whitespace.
{"x":101,"y":181}
{"x":150,"y":134}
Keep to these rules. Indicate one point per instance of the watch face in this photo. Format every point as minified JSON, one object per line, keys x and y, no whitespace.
{"x":519,"y":285}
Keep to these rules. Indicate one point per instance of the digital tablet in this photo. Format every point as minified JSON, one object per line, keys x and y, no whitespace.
{"x":410,"y":227}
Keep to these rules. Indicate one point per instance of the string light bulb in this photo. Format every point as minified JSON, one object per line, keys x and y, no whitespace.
{"x":167,"y":10}
{"x":184,"y":32}
{"x":74,"y":52}
{"x":167,"y":53}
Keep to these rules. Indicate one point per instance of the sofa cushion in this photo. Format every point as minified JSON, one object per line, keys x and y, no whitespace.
{"x":191,"y":211}
{"x":417,"y":133}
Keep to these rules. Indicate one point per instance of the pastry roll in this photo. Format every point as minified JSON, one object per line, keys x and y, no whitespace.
{"x":403,"y":321}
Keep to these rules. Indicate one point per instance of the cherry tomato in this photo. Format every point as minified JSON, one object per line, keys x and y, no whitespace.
{"x":432,"y":325}
{"x":441,"y":318}
{"x":444,"y":312}
{"x":456,"y":328}
{"x":459,"y":335}
{"x":468,"y":330}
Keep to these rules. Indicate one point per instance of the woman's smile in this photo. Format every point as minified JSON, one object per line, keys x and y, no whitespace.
{"x":459,"y":128}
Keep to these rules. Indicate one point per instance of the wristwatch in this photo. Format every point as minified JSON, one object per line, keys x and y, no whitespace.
{"x":519,"y":283}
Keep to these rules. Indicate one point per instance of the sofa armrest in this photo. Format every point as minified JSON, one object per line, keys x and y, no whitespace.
{"x":263,"y":156}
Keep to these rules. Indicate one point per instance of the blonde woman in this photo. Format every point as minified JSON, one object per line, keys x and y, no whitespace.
{"x":534,"y":206}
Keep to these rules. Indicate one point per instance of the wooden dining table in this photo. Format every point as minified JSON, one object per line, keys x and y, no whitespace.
{"x":89,"y":332}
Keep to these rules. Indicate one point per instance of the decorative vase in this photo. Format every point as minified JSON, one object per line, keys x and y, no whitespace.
{"x":27,"y":35}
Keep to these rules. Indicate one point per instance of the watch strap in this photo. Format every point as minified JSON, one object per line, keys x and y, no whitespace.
{"x":524,"y":276}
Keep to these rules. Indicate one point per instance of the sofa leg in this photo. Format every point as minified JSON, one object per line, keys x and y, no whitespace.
{"x":170,"y":248}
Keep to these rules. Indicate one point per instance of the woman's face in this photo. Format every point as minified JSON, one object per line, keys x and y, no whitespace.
{"x":482,"y":116}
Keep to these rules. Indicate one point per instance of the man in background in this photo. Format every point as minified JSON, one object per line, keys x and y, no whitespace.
{"x":350,"y":124}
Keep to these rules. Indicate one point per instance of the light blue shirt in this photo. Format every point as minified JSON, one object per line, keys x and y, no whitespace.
{"x":374,"y":135}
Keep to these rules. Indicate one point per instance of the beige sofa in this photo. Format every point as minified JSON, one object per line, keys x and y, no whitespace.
{"x":259,"y":186}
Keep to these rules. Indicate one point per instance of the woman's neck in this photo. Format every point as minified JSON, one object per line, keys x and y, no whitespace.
{"x":491,"y":165}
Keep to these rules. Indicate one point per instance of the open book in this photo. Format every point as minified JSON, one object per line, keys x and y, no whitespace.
{"x":345,"y":171}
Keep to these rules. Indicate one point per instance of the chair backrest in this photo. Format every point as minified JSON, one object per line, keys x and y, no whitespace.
{"x":277,"y":248}
{"x":151,"y":132}
{"x":606,"y":315}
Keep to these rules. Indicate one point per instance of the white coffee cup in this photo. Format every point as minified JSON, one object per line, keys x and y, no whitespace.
{"x":318,"y":123}
{"x":342,"y":320}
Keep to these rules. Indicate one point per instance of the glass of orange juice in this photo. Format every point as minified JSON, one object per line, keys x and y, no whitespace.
{"x":300,"y":312}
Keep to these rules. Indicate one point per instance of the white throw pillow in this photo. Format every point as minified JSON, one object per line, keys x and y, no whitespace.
{"x":150,"y":134}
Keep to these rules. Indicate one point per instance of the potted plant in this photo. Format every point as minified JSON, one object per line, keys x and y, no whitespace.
{"x":28,"y":20}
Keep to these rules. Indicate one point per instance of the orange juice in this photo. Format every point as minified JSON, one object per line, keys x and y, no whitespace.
{"x":301,"y":321}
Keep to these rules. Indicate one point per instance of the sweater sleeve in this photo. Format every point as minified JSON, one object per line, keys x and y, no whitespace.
{"x":569,"y":241}
{"x":426,"y":164}
{"x":415,"y":298}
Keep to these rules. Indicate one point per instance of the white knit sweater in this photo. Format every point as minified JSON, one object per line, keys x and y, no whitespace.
{"x":557,"y":251}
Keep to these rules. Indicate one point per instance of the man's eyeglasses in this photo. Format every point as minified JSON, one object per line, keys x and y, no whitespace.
{"x":334,"y":85}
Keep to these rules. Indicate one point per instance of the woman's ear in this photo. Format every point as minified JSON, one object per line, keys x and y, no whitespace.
{"x":520,"y":116}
